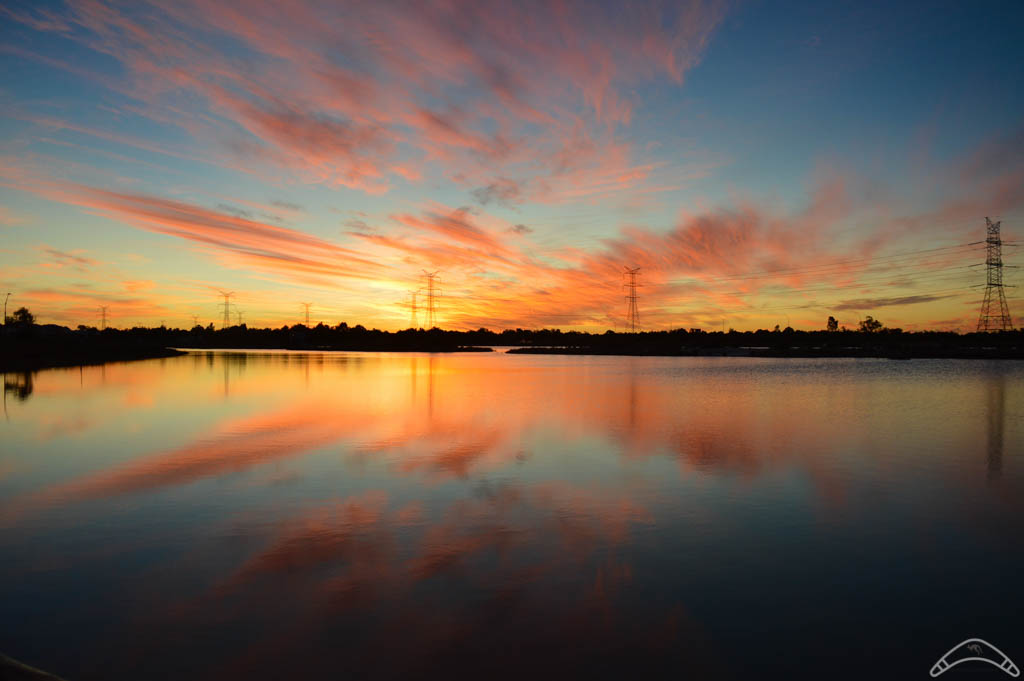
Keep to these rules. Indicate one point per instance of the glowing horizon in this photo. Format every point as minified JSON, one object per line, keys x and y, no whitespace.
{"x":761,"y":165}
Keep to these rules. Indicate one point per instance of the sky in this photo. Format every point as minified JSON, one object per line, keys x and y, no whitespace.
{"x":762,"y":163}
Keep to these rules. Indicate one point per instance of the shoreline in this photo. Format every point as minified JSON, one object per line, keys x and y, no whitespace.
{"x":467,"y":348}
{"x":789,"y":353}
{"x":29,"y":362}
{"x":33,"y":347}
{"x":32,"y":362}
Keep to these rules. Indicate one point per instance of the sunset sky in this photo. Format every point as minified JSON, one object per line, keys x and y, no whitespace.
{"x":762,"y":162}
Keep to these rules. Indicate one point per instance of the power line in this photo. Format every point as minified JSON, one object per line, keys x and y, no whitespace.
{"x":826,"y":306}
{"x":891,"y":276}
{"x":935,"y":277}
{"x":944,"y":279}
{"x":864,"y":283}
{"x":824,"y":267}
{"x":951,"y":274}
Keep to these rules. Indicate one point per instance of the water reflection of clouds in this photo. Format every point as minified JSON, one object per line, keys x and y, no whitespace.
{"x":235,"y":445}
{"x":442,"y":580}
{"x":440,"y":417}
{"x":471,"y":511}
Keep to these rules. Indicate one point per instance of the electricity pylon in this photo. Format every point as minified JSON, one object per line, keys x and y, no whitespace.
{"x":995,"y":313}
{"x":431,"y":294}
{"x":103,"y":316}
{"x":633,"y":315}
{"x":306,"y":305}
{"x":227,"y":308}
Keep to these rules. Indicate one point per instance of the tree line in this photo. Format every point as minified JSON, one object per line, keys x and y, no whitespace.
{"x":28,"y":344}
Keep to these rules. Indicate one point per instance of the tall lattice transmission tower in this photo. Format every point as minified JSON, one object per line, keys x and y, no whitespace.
{"x":306,"y":305}
{"x":103,"y":316}
{"x":995,"y":313}
{"x":633,"y":314}
{"x":432,"y":293}
{"x":227,"y":308}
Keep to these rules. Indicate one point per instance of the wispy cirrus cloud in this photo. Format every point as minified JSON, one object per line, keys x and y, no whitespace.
{"x":75,"y":259}
{"x":362,"y":95}
{"x":734,"y":260}
{"x":873,"y":303}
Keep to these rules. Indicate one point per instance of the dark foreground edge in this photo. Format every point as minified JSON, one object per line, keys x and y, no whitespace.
{"x":12,"y":670}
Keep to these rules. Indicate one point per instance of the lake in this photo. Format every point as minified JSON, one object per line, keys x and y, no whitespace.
{"x":264,"y":515}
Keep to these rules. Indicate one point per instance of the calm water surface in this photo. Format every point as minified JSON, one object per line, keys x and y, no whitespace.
{"x":349,"y":515}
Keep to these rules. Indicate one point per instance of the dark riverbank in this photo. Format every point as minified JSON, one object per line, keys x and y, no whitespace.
{"x":883,"y":353}
{"x":31,"y":347}
{"x":886,"y":343}
{"x":52,"y":356}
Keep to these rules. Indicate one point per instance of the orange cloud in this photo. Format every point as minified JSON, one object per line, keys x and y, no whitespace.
{"x":709,"y":265}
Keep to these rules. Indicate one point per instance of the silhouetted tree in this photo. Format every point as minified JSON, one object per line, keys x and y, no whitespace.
{"x":23,"y":316}
{"x":832,"y":324}
{"x":870,"y":325}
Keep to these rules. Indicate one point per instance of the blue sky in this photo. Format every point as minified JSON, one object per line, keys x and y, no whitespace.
{"x":756,"y":160}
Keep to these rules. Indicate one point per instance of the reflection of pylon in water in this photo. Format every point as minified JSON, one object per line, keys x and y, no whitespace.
{"x":633,"y":315}
{"x":995,"y":313}
{"x":996,"y":424}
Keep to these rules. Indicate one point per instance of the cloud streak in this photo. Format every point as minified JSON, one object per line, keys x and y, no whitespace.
{"x":365,"y":95}
{"x":497,"y":275}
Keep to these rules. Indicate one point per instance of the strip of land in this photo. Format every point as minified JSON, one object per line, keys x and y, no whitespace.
{"x":793,"y":352}
{"x":888,"y":343}
{"x":30,"y":347}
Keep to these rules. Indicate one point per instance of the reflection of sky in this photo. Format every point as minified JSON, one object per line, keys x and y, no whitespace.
{"x":154,"y":153}
{"x":309,"y":507}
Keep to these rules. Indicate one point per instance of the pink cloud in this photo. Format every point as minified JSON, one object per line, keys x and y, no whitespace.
{"x":738,"y":261}
{"x":360,"y":95}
